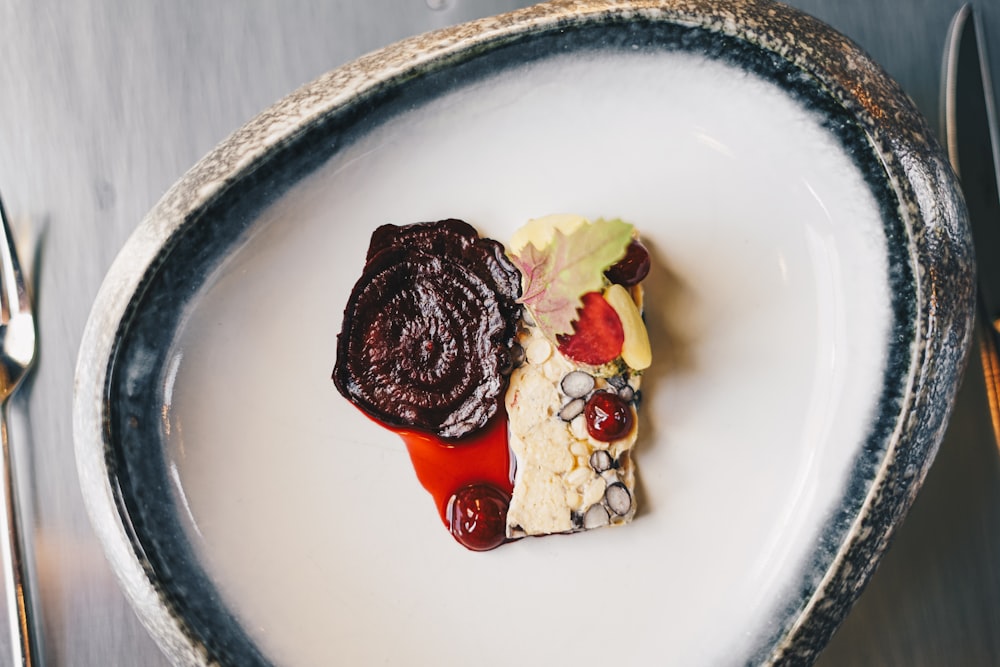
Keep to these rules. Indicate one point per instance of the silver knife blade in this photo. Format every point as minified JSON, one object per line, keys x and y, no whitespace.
{"x":971,"y":131}
{"x":971,"y":136}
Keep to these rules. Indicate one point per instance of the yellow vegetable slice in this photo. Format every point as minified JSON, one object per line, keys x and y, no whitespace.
{"x":636,"y":351}
{"x":539,"y":231}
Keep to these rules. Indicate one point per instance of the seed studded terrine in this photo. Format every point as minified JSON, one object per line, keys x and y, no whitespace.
{"x":566,"y":480}
{"x":571,"y":405}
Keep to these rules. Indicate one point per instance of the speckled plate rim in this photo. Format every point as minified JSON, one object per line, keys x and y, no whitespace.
{"x":930,"y":207}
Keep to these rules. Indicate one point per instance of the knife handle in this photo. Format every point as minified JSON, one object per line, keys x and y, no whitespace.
{"x":989,"y":353}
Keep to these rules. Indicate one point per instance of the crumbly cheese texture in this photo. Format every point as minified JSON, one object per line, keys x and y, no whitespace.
{"x":565,"y":480}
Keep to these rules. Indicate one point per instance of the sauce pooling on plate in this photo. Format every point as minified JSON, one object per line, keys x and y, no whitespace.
{"x":471,"y":482}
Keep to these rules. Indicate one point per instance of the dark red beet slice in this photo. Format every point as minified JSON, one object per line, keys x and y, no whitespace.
{"x":597,"y":336}
{"x":427,"y":331}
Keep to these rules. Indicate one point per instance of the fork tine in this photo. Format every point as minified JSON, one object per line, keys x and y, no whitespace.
{"x":17,"y":344}
{"x":14,"y":297}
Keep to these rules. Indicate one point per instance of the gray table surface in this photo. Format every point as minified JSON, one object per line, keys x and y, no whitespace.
{"x":104,"y":104}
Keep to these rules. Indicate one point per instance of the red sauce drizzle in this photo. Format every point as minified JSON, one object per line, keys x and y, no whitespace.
{"x":443,"y":467}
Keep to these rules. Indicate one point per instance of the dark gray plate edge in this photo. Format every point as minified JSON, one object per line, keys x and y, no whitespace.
{"x":932,"y":209}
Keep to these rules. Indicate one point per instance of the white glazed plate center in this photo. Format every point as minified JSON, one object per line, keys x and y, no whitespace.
{"x":768,"y":308}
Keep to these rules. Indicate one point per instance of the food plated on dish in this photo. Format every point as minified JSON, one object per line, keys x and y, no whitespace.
{"x":798,"y":378}
{"x":448,"y":338}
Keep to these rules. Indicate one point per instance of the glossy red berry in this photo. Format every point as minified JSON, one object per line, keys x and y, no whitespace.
{"x":632,"y":268}
{"x":598,"y":334}
{"x":608,"y":416}
{"x":478,"y":516}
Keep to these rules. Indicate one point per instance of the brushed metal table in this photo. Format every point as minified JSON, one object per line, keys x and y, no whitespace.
{"x":104,"y":104}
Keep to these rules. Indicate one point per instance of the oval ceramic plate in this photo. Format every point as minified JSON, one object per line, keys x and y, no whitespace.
{"x":809,"y":307}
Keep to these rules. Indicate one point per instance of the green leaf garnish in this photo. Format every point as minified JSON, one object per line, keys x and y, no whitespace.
{"x":570,"y":265}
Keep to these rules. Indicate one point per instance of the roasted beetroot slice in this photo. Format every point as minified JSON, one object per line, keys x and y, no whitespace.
{"x":442,"y":238}
{"x":427,"y":331}
{"x":452,"y":238}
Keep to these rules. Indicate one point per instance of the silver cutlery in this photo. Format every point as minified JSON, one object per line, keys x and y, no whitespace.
{"x":971,"y":135}
{"x":17,"y":353}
